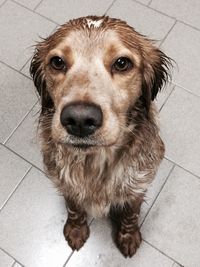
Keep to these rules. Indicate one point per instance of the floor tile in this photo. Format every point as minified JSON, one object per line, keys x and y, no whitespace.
{"x":34,"y":218}
{"x":100,"y":251}
{"x":1,"y":2}
{"x":143,"y":19}
{"x":17,"y":98}
{"x":187,"y":11}
{"x":27,"y":132}
{"x":180,"y":129}
{"x":17,"y":265}
{"x":25,"y":69}
{"x":163,"y":95}
{"x":12,"y":170}
{"x":5,"y":260}
{"x":176,"y":265}
{"x":146,"y":2}
{"x":15,"y":32}
{"x":30,"y":4}
{"x":72,"y":9}
{"x":182,"y":45}
{"x":155,"y":187}
{"x":173,"y":223}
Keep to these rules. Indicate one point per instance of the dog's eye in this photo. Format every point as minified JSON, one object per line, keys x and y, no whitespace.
{"x":122,"y":64}
{"x":57,"y":63}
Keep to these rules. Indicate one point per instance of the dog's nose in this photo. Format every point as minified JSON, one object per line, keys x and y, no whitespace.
{"x":81,"y":119}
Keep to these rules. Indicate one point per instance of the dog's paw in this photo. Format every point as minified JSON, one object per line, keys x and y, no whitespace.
{"x":128,"y":243}
{"x":76,"y":235}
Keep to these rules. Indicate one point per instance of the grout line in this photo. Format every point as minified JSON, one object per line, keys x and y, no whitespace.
{"x":181,"y":167}
{"x":171,"y":17}
{"x":19,"y":124}
{"x":160,"y":12}
{"x":3,"y":3}
{"x":187,"y":90}
{"x":171,"y":170}
{"x":189,"y":25}
{"x":12,"y":68}
{"x":167,"y":34}
{"x":7,"y":253}
{"x":173,"y":88}
{"x":162,"y":252}
{"x":14,"y":190}
{"x":32,"y":164}
{"x":109,"y":7}
{"x":33,"y":11}
{"x":14,"y":264}
{"x":141,"y":3}
{"x":65,"y":264}
{"x":24,"y":64}
{"x":37,"y":5}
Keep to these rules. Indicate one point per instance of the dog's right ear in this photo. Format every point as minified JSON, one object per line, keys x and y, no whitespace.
{"x":37,"y":72}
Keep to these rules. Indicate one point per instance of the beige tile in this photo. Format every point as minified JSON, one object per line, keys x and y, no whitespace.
{"x":5,"y":260}
{"x":182,"y":45}
{"x":155,"y":187}
{"x":143,"y":19}
{"x":2,"y":2}
{"x":17,"y":98}
{"x":27,"y":131}
{"x":27,"y":3}
{"x":25,"y":69}
{"x":172,"y":226}
{"x":145,"y":2}
{"x":180,"y":129}
{"x":17,"y":265}
{"x":100,"y":251}
{"x":176,"y":265}
{"x":12,"y":171}
{"x":34,"y":218}
{"x":187,"y":10}
{"x":72,"y":9}
{"x":17,"y":36}
{"x":163,"y":95}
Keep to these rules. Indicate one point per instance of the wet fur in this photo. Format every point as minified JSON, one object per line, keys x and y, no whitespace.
{"x":115,"y":175}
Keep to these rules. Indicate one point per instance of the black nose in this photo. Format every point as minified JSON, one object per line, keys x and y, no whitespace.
{"x":81,"y":119}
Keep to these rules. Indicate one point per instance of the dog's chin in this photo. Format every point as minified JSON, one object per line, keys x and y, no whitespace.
{"x":82,"y":148}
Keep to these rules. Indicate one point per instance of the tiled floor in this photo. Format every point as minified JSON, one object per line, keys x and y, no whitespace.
{"x":32,"y":213}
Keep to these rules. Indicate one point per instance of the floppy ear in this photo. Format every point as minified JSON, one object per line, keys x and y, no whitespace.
{"x":38,"y":74}
{"x":156,"y":67}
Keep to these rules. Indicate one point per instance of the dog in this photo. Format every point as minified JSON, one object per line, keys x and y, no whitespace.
{"x":97,"y":79}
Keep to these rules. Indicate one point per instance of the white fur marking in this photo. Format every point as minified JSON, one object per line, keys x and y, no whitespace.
{"x":95,"y":23}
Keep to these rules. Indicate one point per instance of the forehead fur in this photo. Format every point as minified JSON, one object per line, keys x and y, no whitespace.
{"x":95,"y":27}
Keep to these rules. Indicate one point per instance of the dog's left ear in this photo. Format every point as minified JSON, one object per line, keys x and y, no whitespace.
{"x":156,"y":72}
{"x":38,"y":74}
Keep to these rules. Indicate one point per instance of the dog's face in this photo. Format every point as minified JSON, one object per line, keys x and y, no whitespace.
{"x":90,"y":73}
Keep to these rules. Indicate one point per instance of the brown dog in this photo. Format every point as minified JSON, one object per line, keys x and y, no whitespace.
{"x":97,"y":78}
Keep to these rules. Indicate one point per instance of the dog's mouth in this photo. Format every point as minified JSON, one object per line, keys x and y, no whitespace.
{"x":82,"y":146}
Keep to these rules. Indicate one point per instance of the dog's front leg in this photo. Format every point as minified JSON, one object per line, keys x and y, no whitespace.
{"x":128,"y":237}
{"x":76,"y":230}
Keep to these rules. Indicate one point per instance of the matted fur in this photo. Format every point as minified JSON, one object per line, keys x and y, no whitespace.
{"x":127,"y":150}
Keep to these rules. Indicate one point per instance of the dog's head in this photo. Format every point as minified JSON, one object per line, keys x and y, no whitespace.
{"x":90,"y":73}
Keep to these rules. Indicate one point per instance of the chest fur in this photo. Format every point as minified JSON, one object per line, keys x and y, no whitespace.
{"x":96,"y":182}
